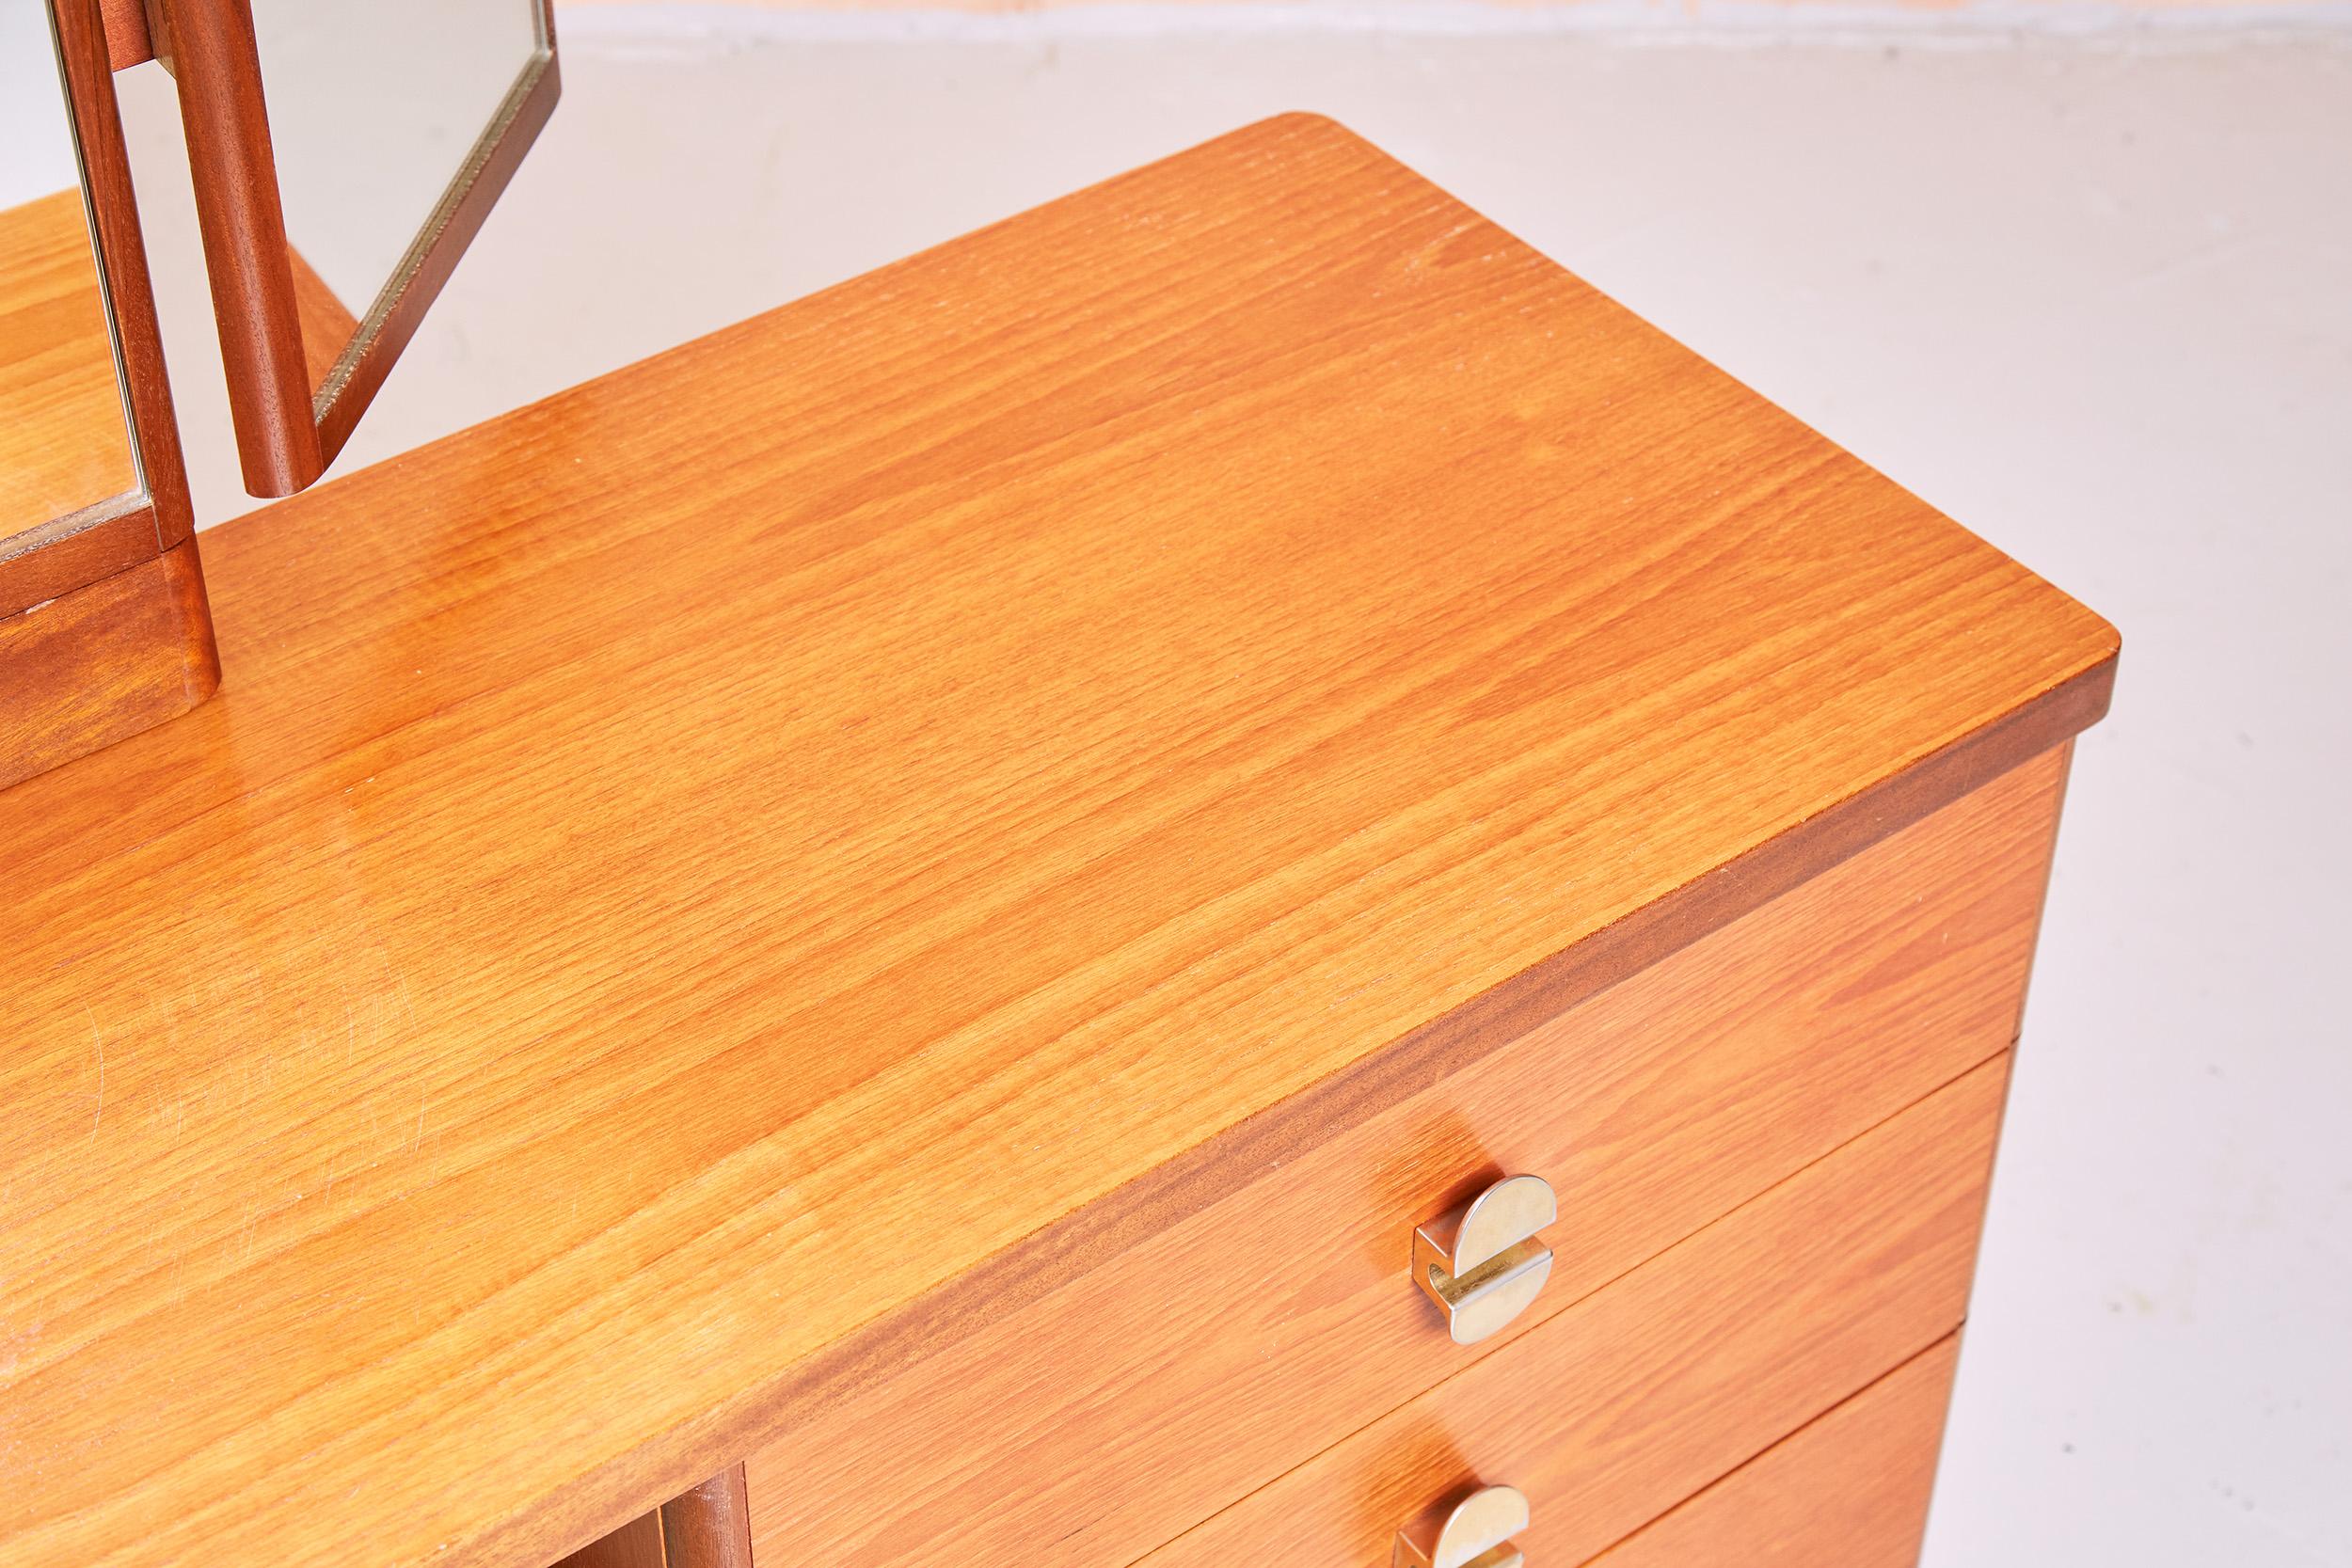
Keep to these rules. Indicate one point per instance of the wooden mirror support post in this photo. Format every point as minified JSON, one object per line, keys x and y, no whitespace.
{"x":301,"y":369}
{"x":104,"y":625}
{"x":105,"y":630}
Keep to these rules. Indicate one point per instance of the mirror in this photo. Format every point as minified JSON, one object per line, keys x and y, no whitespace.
{"x":334,"y":203}
{"x":104,"y":627}
{"x":67,"y":457}
{"x":364,"y":156}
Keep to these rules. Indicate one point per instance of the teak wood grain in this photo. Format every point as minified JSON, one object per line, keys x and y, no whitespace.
{"x":706,"y":1527}
{"x":1850,"y":1488}
{"x":128,"y":41}
{"x":1156,"y":1384}
{"x":53,"y":561}
{"x":678,"y":873}
{"x":709,"y":1525}
{"x":1622,"y":1405}
{"x":638,"y":1544}
{"x":86,"y":669}
{"x":257,"y":306}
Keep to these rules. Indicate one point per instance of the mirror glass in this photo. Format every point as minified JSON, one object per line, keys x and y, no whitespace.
{"x":376,"y":111}
{"x":65,"y":453}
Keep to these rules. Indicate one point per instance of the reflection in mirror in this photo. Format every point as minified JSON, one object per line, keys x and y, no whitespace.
{"x":366,"y":157}
{"x":65,"y":453}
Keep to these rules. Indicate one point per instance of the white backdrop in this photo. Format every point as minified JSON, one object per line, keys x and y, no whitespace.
{"x":35,"y":147}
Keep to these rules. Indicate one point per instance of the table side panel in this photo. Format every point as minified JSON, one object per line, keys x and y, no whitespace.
{"x":1850,"y":1488}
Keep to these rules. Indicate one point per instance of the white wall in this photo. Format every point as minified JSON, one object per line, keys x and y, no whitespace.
{"x":36,"y":140}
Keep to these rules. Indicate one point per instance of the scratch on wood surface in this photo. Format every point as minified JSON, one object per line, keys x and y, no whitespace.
{"x":98,"y":1043}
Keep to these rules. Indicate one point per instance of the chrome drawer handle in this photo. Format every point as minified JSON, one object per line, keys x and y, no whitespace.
{"x":1480,"y":1262}
{"x":1474,"y":1533}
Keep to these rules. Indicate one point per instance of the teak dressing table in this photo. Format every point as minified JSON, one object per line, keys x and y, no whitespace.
{"x":897,"y":936}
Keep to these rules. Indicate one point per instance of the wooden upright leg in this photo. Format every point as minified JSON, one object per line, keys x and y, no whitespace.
{"x":708,"y":1527}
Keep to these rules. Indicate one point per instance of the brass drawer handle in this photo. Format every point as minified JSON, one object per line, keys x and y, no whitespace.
{"x":1474,"y":1533}
{"x":1480,"y":1262}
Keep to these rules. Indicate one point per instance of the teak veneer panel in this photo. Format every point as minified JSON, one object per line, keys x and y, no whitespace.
{"x":682,"y":871}
{"x":103,"y":661}
{"x":64,"y":445}
{"x":128,"y":41}
{"x":635,"y":1545}
{"x":1850,"y":1488}
{"x":1622,"y":1405}
{"x":1155,"y":1384}
{"x":709,"y":1526}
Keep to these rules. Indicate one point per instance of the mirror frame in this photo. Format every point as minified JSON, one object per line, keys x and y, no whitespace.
{"x":105,"y":627}
{"x":293,"y":401}
{"x":71,"y":551}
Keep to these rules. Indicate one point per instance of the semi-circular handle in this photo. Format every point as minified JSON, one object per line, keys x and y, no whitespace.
{"x":1474,"y":1533}
{"x":1481,"y":1263}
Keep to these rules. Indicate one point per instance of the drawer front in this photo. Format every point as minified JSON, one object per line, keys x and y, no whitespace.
{"x":1625,"y":1404}
{"x":1159,"y":1379}
{"x":1850,"y":1488}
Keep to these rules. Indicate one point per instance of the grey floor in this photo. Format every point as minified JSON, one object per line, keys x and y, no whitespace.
{"x":2093,"y":297}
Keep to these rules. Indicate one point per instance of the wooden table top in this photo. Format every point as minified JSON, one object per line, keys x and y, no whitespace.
{"x":684,"y":869}
{"x":63,"y":442}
